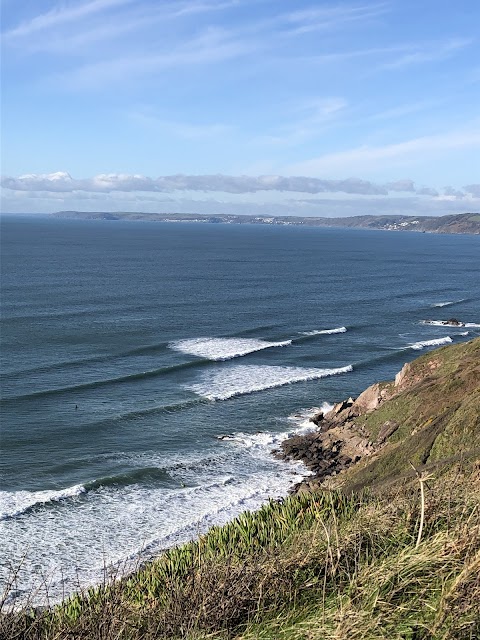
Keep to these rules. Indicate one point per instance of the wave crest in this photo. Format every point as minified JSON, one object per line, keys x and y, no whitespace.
{"x":245,"y":379}
{"x":319,"y":332}
{"x":14,"y":503}
{"x":430,"y":343}
{"x":217,"y":349}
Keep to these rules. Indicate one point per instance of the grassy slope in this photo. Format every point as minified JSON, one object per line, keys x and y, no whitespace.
{"x":437,"y":408}
{"x":331,"y":565}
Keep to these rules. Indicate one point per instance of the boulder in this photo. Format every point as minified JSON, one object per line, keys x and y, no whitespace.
{"x":402,"y":375}
{"x":368,"y":400}
{"x":387,"y":429}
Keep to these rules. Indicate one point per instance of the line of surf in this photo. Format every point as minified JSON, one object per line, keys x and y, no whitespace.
{"x":219,"y":349}
{"x":448,"y":303}
{"x":446,"y":323}
{"x":423,"y":344}
{"x":321,"y":332}
{"x":15,"y":503}
{"x":246,"y":379}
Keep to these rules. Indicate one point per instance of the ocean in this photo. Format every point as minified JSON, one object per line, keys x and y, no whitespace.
{"x":149,"y":369}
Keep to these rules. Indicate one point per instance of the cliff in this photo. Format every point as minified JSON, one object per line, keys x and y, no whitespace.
{"x":428,"y":417}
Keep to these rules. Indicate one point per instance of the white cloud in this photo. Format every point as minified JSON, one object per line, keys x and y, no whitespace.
{"x":401,"y":185}
{"x":453,"y":193}
{"x":473,"y":189}
{"x":427,"y":191}
{"x":62,"y":182}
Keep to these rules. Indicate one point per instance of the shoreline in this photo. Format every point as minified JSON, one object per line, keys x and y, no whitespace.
{"x":54,"y":590}
{"x":336,"y":442}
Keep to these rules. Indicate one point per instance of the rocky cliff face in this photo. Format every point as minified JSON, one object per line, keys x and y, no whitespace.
{"x":427,"y":416}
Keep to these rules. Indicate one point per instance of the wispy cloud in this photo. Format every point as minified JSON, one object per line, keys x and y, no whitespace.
{"x":433,"y":52}
{"x":311,"y":19}
{"x":305,"y":121}
{"x":186,"y":130}
{"x":373,"y":157}
{"x":61,"y":15}
{"x":404,"y":110}
{"x":67,"y":29}
{"x":73,"y":29}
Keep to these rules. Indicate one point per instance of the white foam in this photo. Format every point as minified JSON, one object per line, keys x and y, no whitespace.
{"x":303,"y":418}
{"x":243,"y":379}
{"x":471,"y":324}
{"x":14,"y":503}
{"x":253,"y":440}
{"x":443,"y":323}
{"x":116,"y":528}
{"x":448,"y":303}
{"x":319,"y":332}
{"x":263,"y":441}
{"x":431,"y":343}
{"x":224,"y":348}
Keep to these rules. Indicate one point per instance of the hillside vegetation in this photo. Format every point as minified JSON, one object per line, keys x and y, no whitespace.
{"x":388,"y":549}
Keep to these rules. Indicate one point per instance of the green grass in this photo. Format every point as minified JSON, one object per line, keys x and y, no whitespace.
{"x":437,"y":411}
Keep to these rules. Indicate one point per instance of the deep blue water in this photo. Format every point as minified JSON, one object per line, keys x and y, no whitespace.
{"x":118,"y":375}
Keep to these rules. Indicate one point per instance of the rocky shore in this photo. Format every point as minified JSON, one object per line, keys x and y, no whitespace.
{"x":391,"y":424}
{"x":340,"y":439}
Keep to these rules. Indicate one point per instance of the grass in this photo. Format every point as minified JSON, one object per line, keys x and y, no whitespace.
{"x":437,"y":412}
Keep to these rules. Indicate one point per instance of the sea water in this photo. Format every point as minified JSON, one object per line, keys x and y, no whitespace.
{"x":149,"y":369}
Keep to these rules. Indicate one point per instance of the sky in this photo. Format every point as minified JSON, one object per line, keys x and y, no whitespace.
{"x":288,"y":107}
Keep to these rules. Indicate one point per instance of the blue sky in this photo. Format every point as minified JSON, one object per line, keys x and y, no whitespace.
{"x":241,"y":106}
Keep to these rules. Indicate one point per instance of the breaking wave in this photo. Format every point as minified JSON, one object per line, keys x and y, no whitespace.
{"x":14,"y":503}
{"x":442,"y":323}
{"x":449,"y":303}
{"x":224,"y":348}
{"x":430,"y":343}
{"x":319,"y":332}
{"x":244,"y":379}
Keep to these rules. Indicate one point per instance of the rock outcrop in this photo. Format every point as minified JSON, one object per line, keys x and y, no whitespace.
{"x":429,"y":413}
{"x":340,"y":440}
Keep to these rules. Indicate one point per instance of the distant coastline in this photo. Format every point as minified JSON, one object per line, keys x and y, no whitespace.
{"x":459,"y":223}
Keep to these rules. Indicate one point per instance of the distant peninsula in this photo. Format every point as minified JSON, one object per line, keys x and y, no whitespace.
{"x":459,"y":223}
